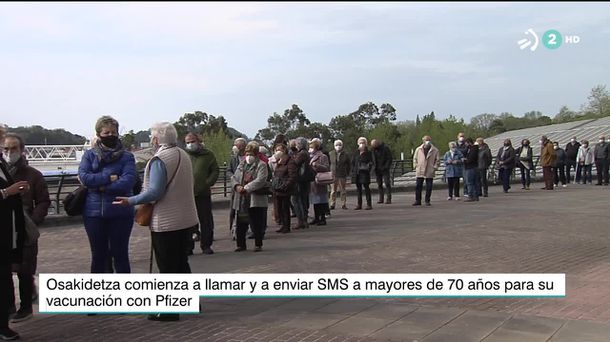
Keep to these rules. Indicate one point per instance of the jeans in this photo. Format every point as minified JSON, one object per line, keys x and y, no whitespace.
{"x":584,"y":172}
{"x":109,"y":238}
{"x":300,"y":201}
{"x":419,"y":187}
{"x":504,"y":175}
{"x":471,"y":181}
{"x":525,"y":177}
{"x":569,"y":165}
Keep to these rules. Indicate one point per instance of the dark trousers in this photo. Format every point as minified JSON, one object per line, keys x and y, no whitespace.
{"x":109,"y":238}
{"x":559,"y":175}
{"x":171,"y":250}
{"x":420,"y":186}
{"x":569,"y":165}
{"x":320,"y":212}
{"x":584,"y":172}
{"x":367,"y":193}
{"x":283,"y":210}
{"x":483,"y":185}
{"x":25,"y":274}
{"x":547,"y":175}
{"x":256,"y":222}
{"x":384,"y":177}
{"x":453,"y":184}
{"x":206,"y":221}
{"x":300,"y":201}
{"x":5,"y":276}
{"x":602,"y":171}
{"x":504,"y":175}
{"x":525,"y":177}
{"x":471,"y":181}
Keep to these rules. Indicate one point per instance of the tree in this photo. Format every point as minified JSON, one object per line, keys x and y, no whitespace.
{"x":128,"y":139}
{"x":565,"y":115}
{"x":599,"y":102}
{"x":293,"y":121}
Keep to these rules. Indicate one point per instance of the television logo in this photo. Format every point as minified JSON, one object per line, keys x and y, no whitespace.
{"x":551,"y":39}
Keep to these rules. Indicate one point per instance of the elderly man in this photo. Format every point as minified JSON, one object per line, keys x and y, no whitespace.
{"x":382,"y":159}
{"x":340,"y":167}
{"x":205,"y":171}
{"x":571,"y":152}
{"x":36,"y":204}
{"x":547,"y":160}
{"x":425,"y":163}
{"x":601,"y":159}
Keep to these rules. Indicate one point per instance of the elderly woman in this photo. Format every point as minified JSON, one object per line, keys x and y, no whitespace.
{"x":108,"y":171}
{"x":453,"y":170}
{"x":319,"y":192}
{"x":284,"y":185}
{"x":505,"y":161}
{"x":300,"y":200}
{"x":168,"y":183}
{"x":362,"y":165}
{"x":249,"y":202}
{"x":12,"y":237}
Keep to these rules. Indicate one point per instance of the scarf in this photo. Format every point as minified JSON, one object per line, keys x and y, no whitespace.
{"x":106,"y":154}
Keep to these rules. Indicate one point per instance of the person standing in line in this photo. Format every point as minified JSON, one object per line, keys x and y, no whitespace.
{"x":340,"y":165}
{"x":382,"y":158}
{"x":571,"y":152}
{"x":471,"y":164}
{"x":319,"y":192}
{"x":547,"y":158}
{"x":425,"y":163}
{"x":461,"y":146}
{"x":585,"y":160}
{"x":505,"y":162}
{"x":283,"y":184}
{"x":525,"y":163}
{"x":362,"y":166}
{"x":205,"y":173}
{"x":453,"y":170}
{"x":300,"y":200}
{"x":601,"y":158}
{"x":559,"y":168}
{"x":485,"y":160}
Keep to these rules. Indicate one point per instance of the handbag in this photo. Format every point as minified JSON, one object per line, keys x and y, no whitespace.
{"x":144,"y":213}
{"x":31,"y":230}
{"x":325,"y":178}
{"x":75,"y":201}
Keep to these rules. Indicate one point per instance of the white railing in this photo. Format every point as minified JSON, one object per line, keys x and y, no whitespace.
{"x":55,"y":153}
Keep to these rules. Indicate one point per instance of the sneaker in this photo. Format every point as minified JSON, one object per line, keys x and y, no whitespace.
{"x":207,"y":251}
{"x":416,"y":204}
{"x":240,"y":249}
{"x":258,"y":249}
{"x":565,"y":186}
{"x":22,"y":315}
{"x":6,"y":334}
{"x":344,"y":207}
{"x":368,"y":207}
{"x":449,"y":198}
{"x":458,"y":199}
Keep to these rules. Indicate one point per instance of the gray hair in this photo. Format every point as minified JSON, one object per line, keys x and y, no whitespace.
{"x":338,"y":142}
{"x":240,"y":140}
{"x":165,"y":132}
{"x":301,"y":143}
{"x":452,"y":144}
{"x":16,"y":137}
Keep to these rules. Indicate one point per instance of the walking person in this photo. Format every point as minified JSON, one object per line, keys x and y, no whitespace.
{"x":425,"y":163}
{"x":453,"y":170}
{"x":205,"y":173}
{"x":382,"y":159}
{"x":362,"y":166}
{"x":505,"y":161}
{"x":36,"y":204}
{"x":340,"y":165}
{"x":547,"y":158}
{"x":525,"y":163}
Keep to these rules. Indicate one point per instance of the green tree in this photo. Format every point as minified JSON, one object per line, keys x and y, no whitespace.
{"x":599,"y":102}
{"x":220,"y":144}
{"x":128,"y":139}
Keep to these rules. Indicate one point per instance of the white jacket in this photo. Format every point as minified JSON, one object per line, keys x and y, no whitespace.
{"x":585,"y":155}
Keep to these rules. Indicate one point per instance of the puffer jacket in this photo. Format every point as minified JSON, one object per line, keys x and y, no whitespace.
{"x":94,"y":173}
{"x":453,"y":169}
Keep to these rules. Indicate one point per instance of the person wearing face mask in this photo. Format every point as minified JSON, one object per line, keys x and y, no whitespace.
{"x":319,"y":192}
{"x":362,"y":166}
{"x":12,"y":237}
{"x":36,"y":204}
{"x":425,"y":163}
{"x":471,"y":163}
{"x":169,"y":185}
{"x":251,"y":207}
{"x":300,"y":200}
{"x":453,"y":170}
{"x":463,"y":148}
{"x":584,"y":160}
{"x":525,"y":163}
{"x":571,"y":150}
{"x":205,"y":173}
{"x":505,"y":161}
{"x":340,"y":166}
{"x":283,"y":185}
{"x":382,"y":159}
{"x":601,"y":159}
{"x":108,"y":171}
{"x":547,"y":158}
{"x":559,"y":167}
{"x":238,"y":154}
{"x":485,"y":160}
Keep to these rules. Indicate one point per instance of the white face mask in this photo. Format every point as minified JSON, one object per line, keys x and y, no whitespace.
{"x":572,"y":140}
{"x":11,"y":158}
{"x":461,"y":139}
{"x":235,"y":150}
{"x":191,"y":146}
{"x":426,"y":142}
{"x":278,"y":155}
{"x":338,"y":148}
{"x":602,"y":141}
{"x":311,"y":150}
{"x":250,"y":159}
{"x":541,"y":142}
{"x":476,"y":144}
{"x":555,"y":147}
{"x":362,"y":145}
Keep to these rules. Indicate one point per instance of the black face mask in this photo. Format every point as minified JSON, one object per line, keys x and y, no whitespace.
{"x":110,"y":141}
{"x":294,"y":149}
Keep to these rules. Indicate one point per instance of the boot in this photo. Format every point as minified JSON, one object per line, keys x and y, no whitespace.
{"x":389,"y":200}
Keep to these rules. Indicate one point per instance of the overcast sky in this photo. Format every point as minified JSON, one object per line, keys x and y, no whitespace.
{"x":62,"y":65}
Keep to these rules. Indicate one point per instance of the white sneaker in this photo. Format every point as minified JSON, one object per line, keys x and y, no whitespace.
{"x":457,"y":198}
{"x":565,"y":186}
{"x":449,"y":198}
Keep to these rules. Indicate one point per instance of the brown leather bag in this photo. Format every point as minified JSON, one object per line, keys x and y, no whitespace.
{"x":144,"y":213}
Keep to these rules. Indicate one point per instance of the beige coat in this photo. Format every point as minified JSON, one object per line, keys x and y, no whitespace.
{"x":425,"y":166}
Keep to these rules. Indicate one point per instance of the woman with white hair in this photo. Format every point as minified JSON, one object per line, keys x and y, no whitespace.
{"x":319,"y":192}
{"x":168,"y":183}
{"x":362,"y":165}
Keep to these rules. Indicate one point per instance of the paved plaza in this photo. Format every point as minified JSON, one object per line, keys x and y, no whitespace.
{"x":562,"y":231}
